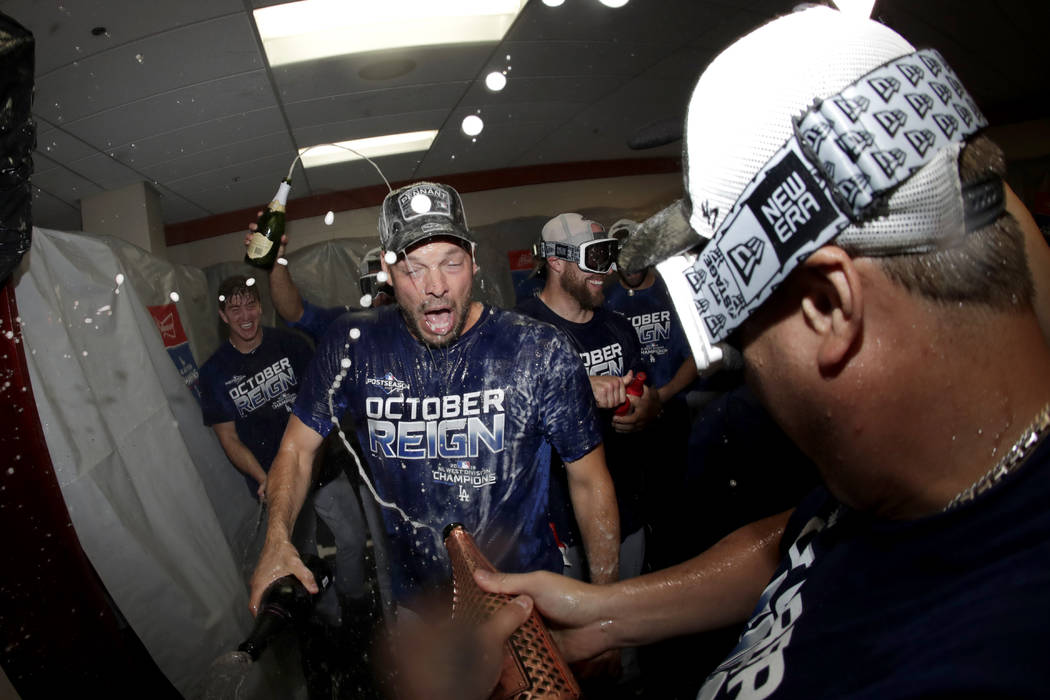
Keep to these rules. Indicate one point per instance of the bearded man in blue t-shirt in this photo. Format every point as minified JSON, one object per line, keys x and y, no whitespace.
{"x":455,"y":406}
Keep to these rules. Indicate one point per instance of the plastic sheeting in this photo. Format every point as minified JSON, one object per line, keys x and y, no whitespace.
{"x":157,"y":507}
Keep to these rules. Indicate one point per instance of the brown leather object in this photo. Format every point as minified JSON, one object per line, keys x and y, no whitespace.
{"x":532,"y":665}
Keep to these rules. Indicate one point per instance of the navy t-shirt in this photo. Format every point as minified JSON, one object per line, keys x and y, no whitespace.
{"x":455,"y":434}
{"x":255,"y":390}
{"x":650,"y":311}
{"x":950,"y":605}
{"x":607,"y":345}
{"x":316,"y":319}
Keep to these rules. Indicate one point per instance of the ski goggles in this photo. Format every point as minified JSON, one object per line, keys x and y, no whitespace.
{"x":595,"y":256}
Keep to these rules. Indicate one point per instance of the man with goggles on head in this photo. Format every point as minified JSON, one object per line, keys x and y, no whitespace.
{"x":578,"y":257}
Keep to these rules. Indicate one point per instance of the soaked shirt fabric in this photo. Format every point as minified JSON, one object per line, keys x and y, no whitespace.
{"x":256,"y":391}
{"x":456,"y":434}
{"x":949,"y":605}
{"x":607,"y":345}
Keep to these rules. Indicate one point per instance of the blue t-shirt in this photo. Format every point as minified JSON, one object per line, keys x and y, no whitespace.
{"x":949,"y":605}
{"x":650,"y":311}
{"x":255,"y":390}
{"x":316,"y":319}
{"x":456,"y":434}
{"x":608,"y":346}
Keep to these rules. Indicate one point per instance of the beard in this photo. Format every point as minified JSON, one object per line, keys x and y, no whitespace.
{"x":576,"y":285}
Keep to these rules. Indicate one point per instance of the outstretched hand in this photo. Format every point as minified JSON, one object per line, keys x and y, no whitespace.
{"x":571,"y":608}
{"x":451,"y":660}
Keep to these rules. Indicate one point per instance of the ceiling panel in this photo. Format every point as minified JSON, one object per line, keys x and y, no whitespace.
{"x":180,"y":94}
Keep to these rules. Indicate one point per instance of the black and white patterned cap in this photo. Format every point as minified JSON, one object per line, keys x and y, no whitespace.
{"x":817,"y":126}
{"x":419,"y":211}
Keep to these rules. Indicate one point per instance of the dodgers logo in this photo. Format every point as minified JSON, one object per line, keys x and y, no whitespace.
{"x":920,"y":102}
{"x":891,"y":120}
{"x":746,"y":257}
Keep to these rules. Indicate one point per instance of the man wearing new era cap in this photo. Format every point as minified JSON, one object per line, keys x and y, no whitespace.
{"x":857,"y":249}
{"x":455,"y":406}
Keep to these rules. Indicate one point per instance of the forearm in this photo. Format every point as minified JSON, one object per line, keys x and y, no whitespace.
{"x":286,"y":298}
{"x":717,"y":588}
{"x":593,"y":499}
{"x":286,"y":490}
{"x":238,"y":453}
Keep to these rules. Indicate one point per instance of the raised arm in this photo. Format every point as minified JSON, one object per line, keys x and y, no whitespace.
{"x":287,"y":487}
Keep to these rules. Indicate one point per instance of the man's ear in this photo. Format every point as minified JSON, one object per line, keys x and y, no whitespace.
{"x":833,"y":306}
{"x":222,"y":315}
{"x":556,"y":264}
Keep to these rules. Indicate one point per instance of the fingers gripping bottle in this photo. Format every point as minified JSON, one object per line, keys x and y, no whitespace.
{"x":532,"y":665}
{"x":285,"y":602}
{"x":635,"y":388}
{"x":266,"y":240}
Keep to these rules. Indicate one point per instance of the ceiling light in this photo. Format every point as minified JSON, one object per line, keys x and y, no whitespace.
{"x":373,"y":147}
{"x":495,"y":81}
{"x":857,"y":8}
{"x":311,"y":29}
{"x":472,"y":125}
{"x":613,"y":3}
{"x":553,"y":3}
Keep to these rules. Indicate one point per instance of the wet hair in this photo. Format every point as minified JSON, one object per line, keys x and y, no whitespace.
{"x":987,"y":266}
{"x":236,"y":286}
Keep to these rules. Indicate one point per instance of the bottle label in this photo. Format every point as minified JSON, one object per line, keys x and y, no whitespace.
{"x":259,"y":246}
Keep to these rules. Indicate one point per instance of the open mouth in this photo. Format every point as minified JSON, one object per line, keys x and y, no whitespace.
{"x":438,"y":320}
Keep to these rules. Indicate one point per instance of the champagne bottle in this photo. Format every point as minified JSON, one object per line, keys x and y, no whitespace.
{"x":286,"y":601}
{"x":635,"y":388}
{"x":533,"y":667}
{"x":266,"y":240}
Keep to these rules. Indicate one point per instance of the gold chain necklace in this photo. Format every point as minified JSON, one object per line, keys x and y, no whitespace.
{"x":1017,"y":454}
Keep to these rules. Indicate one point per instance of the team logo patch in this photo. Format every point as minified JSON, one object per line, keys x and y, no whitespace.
{"x":388,"y":383}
